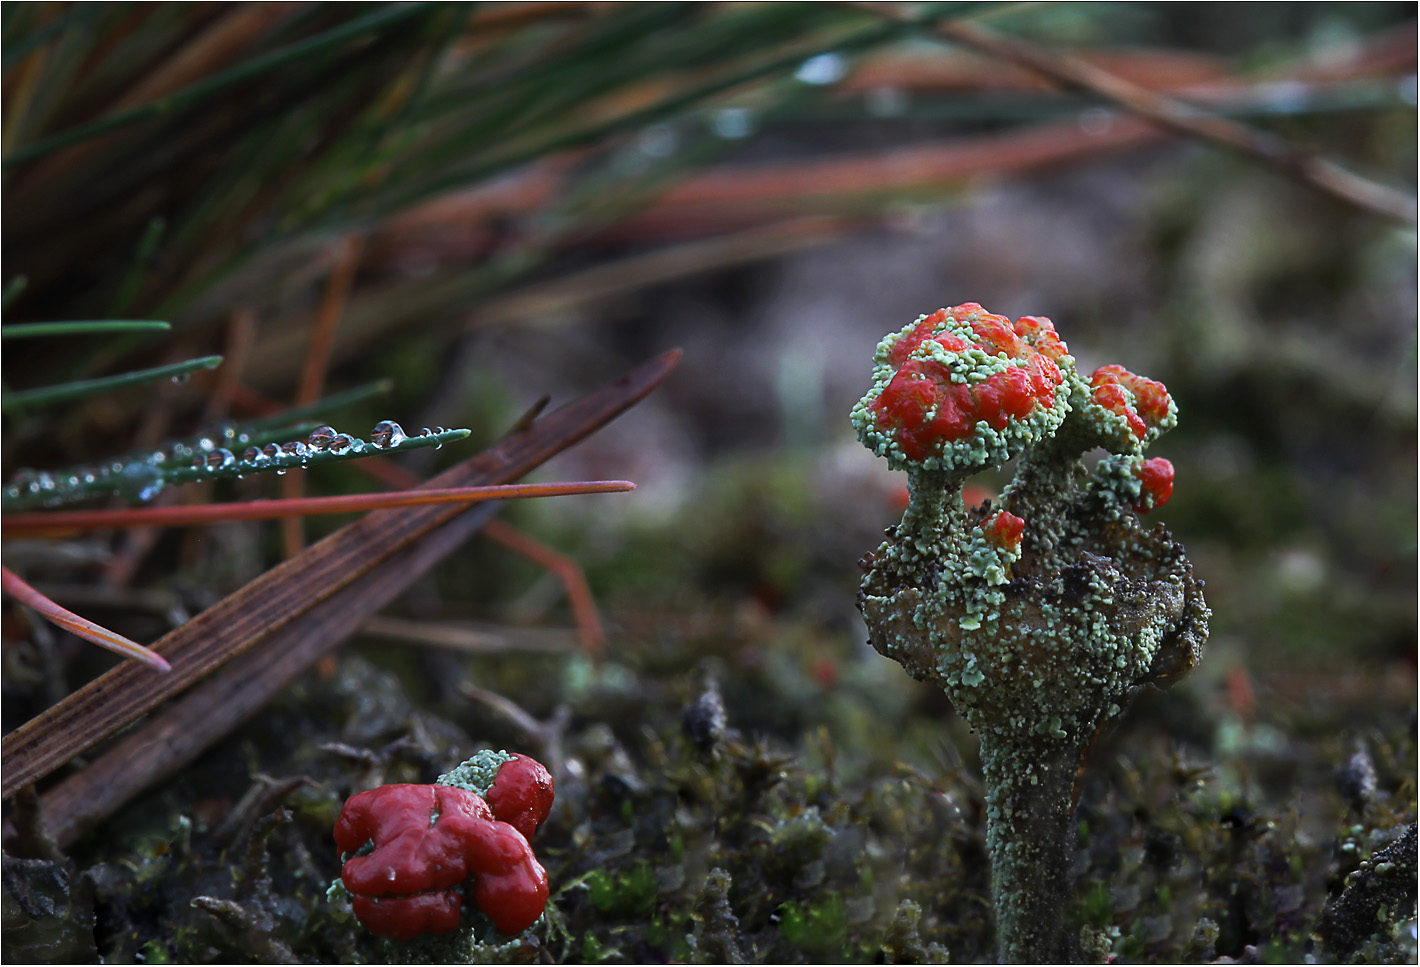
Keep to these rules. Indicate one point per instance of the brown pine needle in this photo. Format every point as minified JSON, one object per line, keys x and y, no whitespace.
{"x":64,"y":523}
{"x":82,"y":627}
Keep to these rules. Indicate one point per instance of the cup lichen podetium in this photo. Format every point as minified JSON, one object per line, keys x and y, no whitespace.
{"x":1040,"y":613}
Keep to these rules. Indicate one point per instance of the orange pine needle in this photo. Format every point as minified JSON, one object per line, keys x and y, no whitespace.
{"x":82,"y":627}
{"x":60,"y":523}
{"x":566,"y":570}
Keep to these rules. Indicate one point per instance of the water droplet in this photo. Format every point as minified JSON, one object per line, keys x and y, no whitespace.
{"x":822,"y":69}
{"x":386,"y":434}
{"x":46,"y":482}
{"x":281,"y":472}
{"x":220,"y":459}
{"x":271,"y":451}
{"x":140,"y":482}
{"x":179,"y":379}
{"x":321,"y":438}
{"x":207,"y":444}
{"x":253,"y":455}
{"x":298,"y":449}
{"x":341,"y":443}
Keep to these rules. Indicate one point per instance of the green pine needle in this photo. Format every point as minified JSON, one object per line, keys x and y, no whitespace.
{"x":30,"y":330}
{"x":61,"y":392}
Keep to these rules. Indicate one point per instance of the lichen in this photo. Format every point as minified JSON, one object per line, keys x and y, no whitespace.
{"x":1037,"y":639}
{"x":476,"y":773}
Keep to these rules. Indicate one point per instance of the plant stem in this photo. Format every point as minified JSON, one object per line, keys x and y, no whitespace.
{"x":1028,"y":828}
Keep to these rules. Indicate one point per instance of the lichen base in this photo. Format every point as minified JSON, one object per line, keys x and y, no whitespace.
{"x":1028,"y":834}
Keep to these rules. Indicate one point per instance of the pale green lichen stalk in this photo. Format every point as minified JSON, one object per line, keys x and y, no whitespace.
{"x":1038,"y":615}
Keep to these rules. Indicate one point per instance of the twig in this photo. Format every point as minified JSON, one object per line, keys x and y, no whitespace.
{"x":546,"y":735}
{"x":482,"y":640}
{"x":567,"y":571}
{"x":1308,"y":168}
{"x":270,"y":632}
{"x":241,"y":331}
{"x":316,"y":363}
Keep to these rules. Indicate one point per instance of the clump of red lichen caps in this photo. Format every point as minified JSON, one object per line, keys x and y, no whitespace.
{"x":414,"y":853}
{"x":416,"y":847}
{"x":1128,"y":411}
{"x":964,"y":389}
{"x":1155,"y":477}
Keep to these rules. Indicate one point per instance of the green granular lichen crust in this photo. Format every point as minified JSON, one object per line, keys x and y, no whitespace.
{"x":476,"y":773}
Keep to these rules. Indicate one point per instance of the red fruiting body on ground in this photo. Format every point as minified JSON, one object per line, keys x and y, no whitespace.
{"x":1004,"y":530}
{"x":1143,"y":402}
{"x":521,"y":794}
{"x":925,"y":405}
{"x":427,"y":841}
{"x":403,"y":918}
{"x":1155,"y":484}
{"x":404,"y":887}
{"x":509,"y":884}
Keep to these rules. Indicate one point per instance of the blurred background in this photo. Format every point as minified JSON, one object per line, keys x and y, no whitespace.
{"x":490,"y":203}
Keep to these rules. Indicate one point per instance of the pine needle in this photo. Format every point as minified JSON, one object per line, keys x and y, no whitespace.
{"x":65,"y":523}
{"x":83,"y":627}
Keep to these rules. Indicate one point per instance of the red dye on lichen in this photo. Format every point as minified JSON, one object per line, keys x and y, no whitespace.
{"x":1004,"y":530}
{"x":1143,"y":402}
{"x":925,"y":407}
{"x":1155,"y":484}
{"x":1040,"y":333}
{"x":521,"y":794}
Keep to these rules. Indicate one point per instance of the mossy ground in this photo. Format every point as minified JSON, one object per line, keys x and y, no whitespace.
{"x":833,"y":792}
